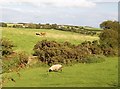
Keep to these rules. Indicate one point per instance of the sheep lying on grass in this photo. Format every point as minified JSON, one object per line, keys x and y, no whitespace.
{"x":55,"y":68}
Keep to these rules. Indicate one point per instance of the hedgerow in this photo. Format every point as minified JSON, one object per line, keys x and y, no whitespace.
{"x":51,"y":52}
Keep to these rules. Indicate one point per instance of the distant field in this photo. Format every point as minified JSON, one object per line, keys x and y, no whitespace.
{"x":78,"y":75}
{"x":93,"y":29}
{"x":11,"y":24}
{"x":25,"y":39}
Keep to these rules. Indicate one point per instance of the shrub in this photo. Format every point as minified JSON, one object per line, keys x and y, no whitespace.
{"x":23,"y":57}
{"x":51,"y":52}
{"x":7,"y":46}
{"x":13,"y":61}
{"x":109,"y":51}
{"x":8,"y":65}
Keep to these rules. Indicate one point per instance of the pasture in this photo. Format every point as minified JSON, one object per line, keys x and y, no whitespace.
{"x":78,"y":75}
{"x":104,"y":74}
{"x":25,"y":39}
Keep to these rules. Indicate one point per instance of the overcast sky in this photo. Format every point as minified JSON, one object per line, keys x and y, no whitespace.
{"x":73,"y":12}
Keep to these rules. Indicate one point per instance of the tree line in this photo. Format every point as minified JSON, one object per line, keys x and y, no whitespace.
{"x":71,"y":28}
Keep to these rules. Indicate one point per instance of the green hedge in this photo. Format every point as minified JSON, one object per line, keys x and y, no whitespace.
{"x":51,"y":52}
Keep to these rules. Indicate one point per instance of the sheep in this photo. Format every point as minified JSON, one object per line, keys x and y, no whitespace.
{"x":56,"y":68}
{"x":43,"y":33}
{"x":37,"y":33}
{"x":10,"y":78}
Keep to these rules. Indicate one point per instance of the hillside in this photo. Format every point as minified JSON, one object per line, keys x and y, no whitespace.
{"x":103,"y":74}
{"x":25,"y":39}
{"x":88,"y":75}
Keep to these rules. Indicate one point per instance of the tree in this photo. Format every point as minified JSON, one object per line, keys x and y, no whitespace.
{"x":114,"y":25}
{"x":47,"y":26}
{"x":31,"y":25}
{"x":54,"y":26}
{"x":17,"y":26}
{"x":109,"y":36}
{"x":3,"y":24}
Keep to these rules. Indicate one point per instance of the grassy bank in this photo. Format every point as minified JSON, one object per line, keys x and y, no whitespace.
{"x":79,"y":75}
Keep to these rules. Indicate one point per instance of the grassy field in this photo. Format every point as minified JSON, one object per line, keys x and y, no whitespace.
{"x":78,"y":75}
{"x":94,"y":29}
{"x":103,"y":74}
{"x":25,"y":39}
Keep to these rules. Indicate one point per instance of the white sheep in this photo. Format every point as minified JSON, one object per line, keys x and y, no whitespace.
{"x":56,"y":67}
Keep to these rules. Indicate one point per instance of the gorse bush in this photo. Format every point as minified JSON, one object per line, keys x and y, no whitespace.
{"x":6,"y":46}
{"x":51,"y":52}
{"x":13,"y":62}
{"x":23,"y":57}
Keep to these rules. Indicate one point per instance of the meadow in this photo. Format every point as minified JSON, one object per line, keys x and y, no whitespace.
{"x":104,"y":74}
{"x":25,"y":39}
{"x":77,"y":75}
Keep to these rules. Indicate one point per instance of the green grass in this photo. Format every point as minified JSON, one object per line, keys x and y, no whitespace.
{"x":104,"y":74}
{"x":25,"y":39}
{"x":93,"y":29}
{"x":78,"y":75}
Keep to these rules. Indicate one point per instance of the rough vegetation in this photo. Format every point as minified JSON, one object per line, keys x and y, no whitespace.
{"x":14,"y":62}
{"x":114,"y":25}
{"x":7,"y":46}
{"x":51,"y":52}
{"x":109,"y":37}
{"x":10,"y":59}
